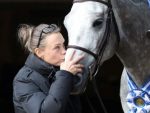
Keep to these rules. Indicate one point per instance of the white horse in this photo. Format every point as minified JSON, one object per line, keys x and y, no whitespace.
{"x":89,"y":23}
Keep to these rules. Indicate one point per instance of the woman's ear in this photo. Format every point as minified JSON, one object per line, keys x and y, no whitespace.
{"x":38,"y":52}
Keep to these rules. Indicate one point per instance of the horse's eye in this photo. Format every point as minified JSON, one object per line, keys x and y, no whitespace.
{"x":98,"y":23}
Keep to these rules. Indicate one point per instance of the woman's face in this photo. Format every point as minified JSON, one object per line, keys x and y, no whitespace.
{"x":54,"y":51}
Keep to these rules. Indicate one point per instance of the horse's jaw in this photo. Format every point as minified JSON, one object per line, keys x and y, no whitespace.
{"x":80,"y":80}
{"x":79,"y":83}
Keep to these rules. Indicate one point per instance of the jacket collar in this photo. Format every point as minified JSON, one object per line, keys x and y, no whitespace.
{"x":39,"y":65}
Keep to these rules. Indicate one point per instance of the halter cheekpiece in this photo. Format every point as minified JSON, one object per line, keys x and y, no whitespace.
{"x":103,"y":43}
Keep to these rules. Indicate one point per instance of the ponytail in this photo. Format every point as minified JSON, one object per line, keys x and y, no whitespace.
{"x":24,"y":35}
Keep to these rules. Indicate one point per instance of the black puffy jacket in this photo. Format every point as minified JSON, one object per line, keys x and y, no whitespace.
{"x":38,"y":88}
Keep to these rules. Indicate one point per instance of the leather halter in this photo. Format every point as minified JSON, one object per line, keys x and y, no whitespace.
{"x":102,"y":44}
{"x":101,"y":1}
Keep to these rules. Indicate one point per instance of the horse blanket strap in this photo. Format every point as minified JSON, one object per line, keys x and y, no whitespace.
{"x":138,"y":99}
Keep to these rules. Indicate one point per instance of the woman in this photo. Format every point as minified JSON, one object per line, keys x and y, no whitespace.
{"x":41,"y":86}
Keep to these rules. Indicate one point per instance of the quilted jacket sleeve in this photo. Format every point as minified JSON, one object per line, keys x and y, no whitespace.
{"x":33,"y":100}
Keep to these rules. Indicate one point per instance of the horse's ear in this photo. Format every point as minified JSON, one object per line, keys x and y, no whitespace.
{"x":148,"y":33}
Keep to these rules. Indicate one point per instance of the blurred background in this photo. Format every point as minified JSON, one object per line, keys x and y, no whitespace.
{"x":12,"y":55}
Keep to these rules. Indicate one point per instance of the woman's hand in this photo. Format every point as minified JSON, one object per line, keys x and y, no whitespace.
{"x":72,"y":65}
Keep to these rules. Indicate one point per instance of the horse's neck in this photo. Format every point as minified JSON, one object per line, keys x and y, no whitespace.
{"x":134,"y":49}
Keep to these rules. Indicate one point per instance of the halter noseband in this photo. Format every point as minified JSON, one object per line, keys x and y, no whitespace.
{"x":83,"y":49}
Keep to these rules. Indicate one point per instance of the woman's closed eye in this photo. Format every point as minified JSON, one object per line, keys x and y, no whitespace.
{"x":57,"y":47}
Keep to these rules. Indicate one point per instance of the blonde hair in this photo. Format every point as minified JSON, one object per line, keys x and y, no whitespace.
{"x":32,"y":37}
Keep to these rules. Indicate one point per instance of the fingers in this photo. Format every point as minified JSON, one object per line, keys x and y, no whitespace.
{"x":78,"y":59}
{"x":72,"y":64}
{"x":78,"y":71}
{"x":72,"y":55}
{"x":78,"y":68}
{"x":73,"y":68}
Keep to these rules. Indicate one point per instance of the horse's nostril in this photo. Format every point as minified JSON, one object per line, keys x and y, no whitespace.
{"x":148,"y":33}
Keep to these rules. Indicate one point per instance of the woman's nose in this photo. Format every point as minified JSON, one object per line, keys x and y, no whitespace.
{"x":64,"y":51}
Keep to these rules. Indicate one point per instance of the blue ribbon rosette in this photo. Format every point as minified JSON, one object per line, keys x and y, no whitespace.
{"x":148,"y":2}
{"x":138,"y":99}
